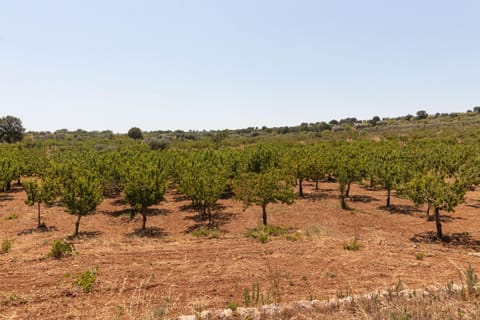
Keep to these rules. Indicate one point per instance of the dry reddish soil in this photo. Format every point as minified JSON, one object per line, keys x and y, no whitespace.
{"x":174,"y":272}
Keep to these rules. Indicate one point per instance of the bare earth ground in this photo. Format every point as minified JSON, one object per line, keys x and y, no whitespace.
{"x":174,"y":272}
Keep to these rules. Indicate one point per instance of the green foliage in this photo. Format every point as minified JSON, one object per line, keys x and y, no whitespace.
{"x":264,"y":232}
{"x":11,"y":216}
{"x":86,"y":279}
{"x":203,"y":176}
{"x":9,"y":165}
{"x":271,"y":185}
{"x":251,"y":297}
{"x":206,"y":233}
{"x":145,"y":183}
{"x":232,"y":305}
{"x":80,"y":187}
{"x":61,"y":249}
{"x":135,"y":133}
{"x":471,"y":282}
{"x":11,"y":129}
{"x":6,"y":246}
{"x":347,"y":164}
{"x":419,"y":255}
{"x":40,"y":191}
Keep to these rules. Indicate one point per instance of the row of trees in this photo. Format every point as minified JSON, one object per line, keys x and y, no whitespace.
{"x":437,"y":172}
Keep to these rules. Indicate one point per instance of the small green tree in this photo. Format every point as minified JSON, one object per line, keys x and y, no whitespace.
{"x":145,"y":184}
{"x":440,"y":192}
{"x":203,"y":177}
{"x":38,"y":192}
{"x":81,"y":193}
{"x":346,"y":167}
{"x":263,"y":188}
{"x":389,"y":167}
{"x":298,"y":159}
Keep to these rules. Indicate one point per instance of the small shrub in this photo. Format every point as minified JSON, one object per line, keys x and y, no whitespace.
{"x":296,"y":236}
{"x":11,"y":216}
{"x":6,"y":245}
{"x":232,"y":306}
{"x":86,"y":280}
{"x":158,"y":312}
{"x":420,"y":256}
{"x":61,"y":249}
{"x":251,"y":298}
{"x":353,"y":245}
{"x":119,"y":310}
{"x":207,"y":233}
{"x":471,"y":281}
{"x":264,"y":232}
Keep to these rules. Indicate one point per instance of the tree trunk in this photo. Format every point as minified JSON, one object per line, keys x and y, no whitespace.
{"x":429,"y":217}
{"x":9,"y":185}
{"x":343,"y":204}
{"x":77,"y":225}
{"x":347,"y":193}
{"x":209,"y":217}
{"x":388,"y":197}
{"x":316,"y":184}
{"x":300,"y":187}
{"x":438,"y":223}
{"x":38,"y":216}
{"x":132,"y":214}
{"x":264,"y":214}
{"x":144,"y":219}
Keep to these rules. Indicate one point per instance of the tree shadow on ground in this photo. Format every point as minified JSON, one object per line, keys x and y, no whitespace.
{"x":127,"y":212}
{"x":43,"y":228}
{"x":150,"y":232}
{"x":475,"y":205}
{"x":400,"y":209}
{"x":5,"y":197}
{"x":462,"y":239}
{"x":319,"y":195}
{"x":371,"y":188}
{"x":445,"y":218}
{"x":85,"y":235}
{"x":218,"y":218}
{"x":120,"y":202}
{"x":362,"y":198}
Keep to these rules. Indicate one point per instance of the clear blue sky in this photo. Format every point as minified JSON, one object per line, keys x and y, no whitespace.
{"x":178,"y":64}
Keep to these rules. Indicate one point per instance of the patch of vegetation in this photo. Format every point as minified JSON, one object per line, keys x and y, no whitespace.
{"x":14,"y":298}
{"x":419,"y":255}
{"x":86,"y":280}
{"x":158,"y":312}
{"x":11,"y":216}
{"x":264,"y":232}
{"x":6,"y":246}
{"x":206,"y":233}
{"x":61,"y":249}
{"x":353,"y":245}
{"x":251,"y":297}
{"x":232,"y":305}
{"x":470,"y":283}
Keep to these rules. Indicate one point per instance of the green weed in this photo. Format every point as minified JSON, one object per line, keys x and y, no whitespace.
{"x":86,"y":280}
{"x":61,"y":249}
